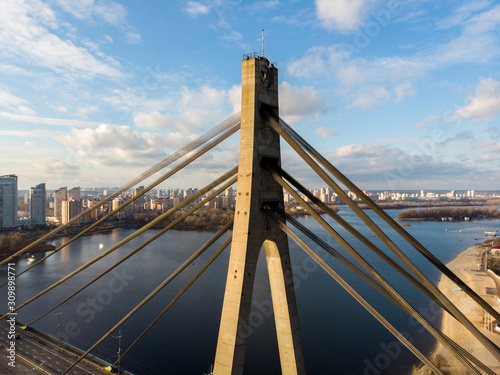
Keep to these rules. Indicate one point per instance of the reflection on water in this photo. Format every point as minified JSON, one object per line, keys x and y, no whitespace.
{"x":338,"y":335}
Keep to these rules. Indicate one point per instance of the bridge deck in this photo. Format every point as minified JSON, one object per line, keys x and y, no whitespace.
{"x":34,"y":350}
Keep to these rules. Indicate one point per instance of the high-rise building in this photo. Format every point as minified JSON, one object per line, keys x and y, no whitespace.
{"x":8,"y":201}
{"x":60,"y":195}
{"x":38,"y":197}
{"x":142,"y":199}
{"x":69,"y":209}
{"x":74,"y":194}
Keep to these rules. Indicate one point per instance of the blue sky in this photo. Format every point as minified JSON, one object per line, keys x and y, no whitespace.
{"x":397,"y":94}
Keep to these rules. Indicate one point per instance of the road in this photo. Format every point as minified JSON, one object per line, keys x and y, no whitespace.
{"x":35,"y":355}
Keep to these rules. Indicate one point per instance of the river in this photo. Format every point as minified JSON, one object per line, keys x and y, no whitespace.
{"x":338,"y":335}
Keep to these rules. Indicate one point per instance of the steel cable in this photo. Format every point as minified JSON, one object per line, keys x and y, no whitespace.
{"x":157,"y":235}
{"x":488,"y":344}
{"x":230,"y":122}
{"x":154,"y":292}
{"x":161,"y":179}
{"x":160,"y":218}
{"x":373,"y":272}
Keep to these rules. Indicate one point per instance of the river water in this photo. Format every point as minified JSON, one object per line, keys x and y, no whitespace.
{"x":338,"y":335}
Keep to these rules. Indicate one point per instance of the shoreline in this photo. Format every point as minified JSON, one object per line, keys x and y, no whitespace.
{"x":465,"y":266}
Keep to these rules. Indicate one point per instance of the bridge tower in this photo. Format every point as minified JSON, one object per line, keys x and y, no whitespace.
{"x":253,"y":229}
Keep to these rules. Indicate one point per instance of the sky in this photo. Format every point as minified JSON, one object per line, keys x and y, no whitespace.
{"x":398,"y":95}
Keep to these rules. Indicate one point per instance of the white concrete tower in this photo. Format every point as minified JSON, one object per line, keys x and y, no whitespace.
{"x":253,"y":229}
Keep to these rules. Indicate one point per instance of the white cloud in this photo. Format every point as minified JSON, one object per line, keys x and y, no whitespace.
{"x":233,"y":36}
{"x":194,"y":8}
{"x":108,"y":11}
{"x":296,"y":103}
{"x":337,"y":61}
{"x":300,"y":103}
{"x":26,"y":110}
{"x":462,"y":13}
{"x":84,"y":111}
{"x":38,"y":44}
{"x":343,"y":15}
{"x":389,"y":167}
{"x":57,"y":167}
{"x":60,"y":108}
{"x":364,"y":151}
{"x":112,"y":145}
{"x":80,"y":9}
{"x":48,"y":121}
{"x":403,"y":90}
{"x":132,"y":37}
{"x":154,"y":120}
{"x":326,"y":132}
{"x":189,"y":110}
{"x":487,"y":157}
{"x":495,"y":148}
{"x":112,"y":13}
{"x":429,"y":119}
{"x":365,"y":101}
{"x":234,"y":96}
{"x":476,"y":41}
{"x":484,"y":104}
{"x":317,"y":61}
{"x":11,"y":101}
{"x":40,"y":134}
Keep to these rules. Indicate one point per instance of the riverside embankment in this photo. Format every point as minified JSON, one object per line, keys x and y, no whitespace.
{"x":465,"y":266}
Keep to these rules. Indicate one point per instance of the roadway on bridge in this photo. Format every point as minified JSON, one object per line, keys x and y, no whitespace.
{"x":36,"y":356}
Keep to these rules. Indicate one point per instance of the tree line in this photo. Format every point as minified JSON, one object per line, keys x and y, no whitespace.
{"x":457,"y":213}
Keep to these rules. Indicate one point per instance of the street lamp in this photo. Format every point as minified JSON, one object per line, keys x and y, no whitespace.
{"x":119,"y":337}
{"x":58,"y":328}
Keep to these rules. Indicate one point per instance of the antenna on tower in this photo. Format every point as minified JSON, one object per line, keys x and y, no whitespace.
{"x":262,"y":42}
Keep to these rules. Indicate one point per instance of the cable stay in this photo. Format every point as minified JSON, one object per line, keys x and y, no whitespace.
{"x":256,"y":181}
{"x":289,"y":136}
{"x":370,"y":281}
{"x":279,"y":175}
{"x":366,"y":265}
{"x":156,"y":236}
{"x":297,"y":139}
{"x":232,"y":173}
{"x":161,"y":179}
{"x":182,"y":291}
{"x":157,"y":290}
{"x":231,"y":122}
{"x":356,"y":295}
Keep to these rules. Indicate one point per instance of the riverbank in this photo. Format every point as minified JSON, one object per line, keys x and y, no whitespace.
{"x":465,"y":266}
{"x":12,"y":242}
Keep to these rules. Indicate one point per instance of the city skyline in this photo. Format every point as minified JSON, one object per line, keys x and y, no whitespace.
{"x":398,"y":95}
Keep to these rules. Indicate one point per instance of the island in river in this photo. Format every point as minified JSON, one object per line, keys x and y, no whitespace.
{"x":450,"y":214}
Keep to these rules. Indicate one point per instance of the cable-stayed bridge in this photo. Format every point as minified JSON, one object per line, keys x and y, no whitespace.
{"x":260,"y":222}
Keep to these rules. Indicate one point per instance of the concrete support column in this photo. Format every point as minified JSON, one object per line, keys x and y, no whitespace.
{"x":252,"y":228}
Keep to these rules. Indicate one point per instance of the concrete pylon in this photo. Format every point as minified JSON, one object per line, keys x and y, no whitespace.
{"x":253,"y":229}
